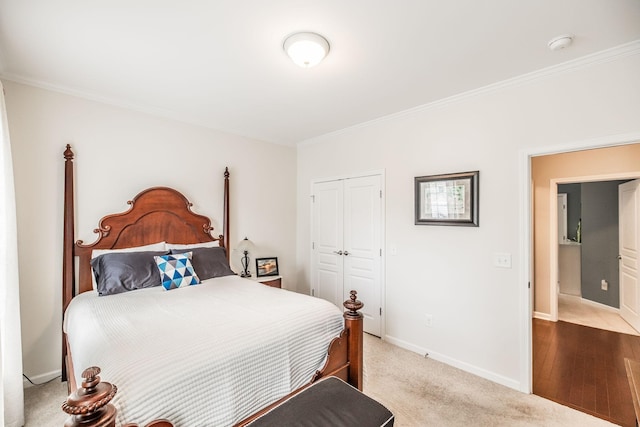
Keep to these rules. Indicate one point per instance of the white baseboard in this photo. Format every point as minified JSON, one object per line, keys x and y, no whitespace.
{"x":41,"y":379}
{"x":483,"y":373}
{"x":541,"y":316}
{"x":599,"y":305}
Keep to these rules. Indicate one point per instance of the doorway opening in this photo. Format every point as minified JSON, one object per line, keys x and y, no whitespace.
{"x":588,"y":284}
{"x":547,"y":171}
{"x":555,"y":350}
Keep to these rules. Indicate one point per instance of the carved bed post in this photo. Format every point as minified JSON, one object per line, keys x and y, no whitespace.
{"x":353,"y":321}
{"x":89,"y":405}
{"x":68,"y":273}
{"x":225,"y":217}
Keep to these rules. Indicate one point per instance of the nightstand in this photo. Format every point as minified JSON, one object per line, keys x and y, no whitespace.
{"x":273,"y":281}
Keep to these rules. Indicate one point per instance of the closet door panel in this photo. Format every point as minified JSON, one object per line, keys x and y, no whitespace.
{"x":362,"y":243}
{"x":328,"y":261}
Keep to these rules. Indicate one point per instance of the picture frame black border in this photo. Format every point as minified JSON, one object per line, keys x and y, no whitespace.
{"x":473,"y":221}
{"x":277,"y":271}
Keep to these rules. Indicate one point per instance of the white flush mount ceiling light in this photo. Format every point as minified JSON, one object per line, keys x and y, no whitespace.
{"x":560,"y":42}
{"x":306,"y":49}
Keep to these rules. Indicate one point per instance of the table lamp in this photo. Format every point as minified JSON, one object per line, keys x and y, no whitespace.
{"x":245,"y":247}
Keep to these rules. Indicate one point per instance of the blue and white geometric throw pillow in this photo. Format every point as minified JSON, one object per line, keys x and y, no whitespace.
{"x":176,"y":270}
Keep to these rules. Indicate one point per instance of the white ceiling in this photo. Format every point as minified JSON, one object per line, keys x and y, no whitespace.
{"x":220,"y":63}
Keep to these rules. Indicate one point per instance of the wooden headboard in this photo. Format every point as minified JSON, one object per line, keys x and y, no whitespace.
{"x":156,"y":214}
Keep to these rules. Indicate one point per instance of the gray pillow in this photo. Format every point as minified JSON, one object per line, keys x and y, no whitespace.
{"x":208,"y":262}
{"x":126,"y":271}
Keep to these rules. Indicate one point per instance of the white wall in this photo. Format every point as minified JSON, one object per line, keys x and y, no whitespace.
{"x":448,"y":272}
{"x":119,"y":153}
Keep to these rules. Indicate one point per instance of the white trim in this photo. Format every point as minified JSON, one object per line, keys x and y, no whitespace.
{"x":553,"y":251}
{"x":383,"y":247}
{"x":525,"y":283}
{"x":41,"y":379}
{"x":597,"y":142}
{"x":542,"y":316}
{"x":599,"y":305}
{"x":608,"y":55}
{"x":380,"y":172}
{"x":145,"y":109}
{"x":483,"y":373}
{"x":526,"y":228}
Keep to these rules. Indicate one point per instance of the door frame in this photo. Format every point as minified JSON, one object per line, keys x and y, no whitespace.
{"x":383,"y":244}
{"x":553,"y":225}
{"x":526,"y":238}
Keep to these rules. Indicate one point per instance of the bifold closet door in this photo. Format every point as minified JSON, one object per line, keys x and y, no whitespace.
{"x":347,"y":249}
{"x":327,"y":260}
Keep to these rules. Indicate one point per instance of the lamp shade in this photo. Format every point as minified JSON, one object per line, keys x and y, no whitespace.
{"x":245,"y":245}
{"x":306,"y":49}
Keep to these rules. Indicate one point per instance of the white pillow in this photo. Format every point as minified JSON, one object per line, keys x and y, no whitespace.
{"x":160,"y":246}
{"x":214,"y":244}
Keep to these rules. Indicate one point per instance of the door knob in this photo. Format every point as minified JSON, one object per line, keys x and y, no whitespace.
{"x":346,"y":253}
{"x":337,"y":252}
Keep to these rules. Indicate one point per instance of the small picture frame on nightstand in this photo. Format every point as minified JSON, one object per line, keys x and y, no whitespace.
{"x":267,"y":267}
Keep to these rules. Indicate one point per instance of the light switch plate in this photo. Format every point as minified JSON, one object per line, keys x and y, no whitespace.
{"x":502,"y":260}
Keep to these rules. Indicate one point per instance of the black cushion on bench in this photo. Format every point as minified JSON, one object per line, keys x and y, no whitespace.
{"x":328,"y":403}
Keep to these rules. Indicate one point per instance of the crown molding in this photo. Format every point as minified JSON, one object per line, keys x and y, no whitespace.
{"x":608,"y":55}
{"x":119,"y":103}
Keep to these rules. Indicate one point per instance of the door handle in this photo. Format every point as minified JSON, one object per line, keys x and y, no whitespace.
{"x":337,"y":252}
{"x":346,"y":253}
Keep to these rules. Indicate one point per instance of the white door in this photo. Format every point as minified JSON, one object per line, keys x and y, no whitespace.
{"x":362,"y":247}
{"x":327,"y":250}
{"x":347,"y":244}
{"x":628,"y":210}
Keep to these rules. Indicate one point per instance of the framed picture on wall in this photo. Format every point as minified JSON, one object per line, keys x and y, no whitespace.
{"x":267,"y":267}
{"x":448,"y":199}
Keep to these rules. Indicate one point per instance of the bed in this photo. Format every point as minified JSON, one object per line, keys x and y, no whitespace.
{"x":218,"y":353}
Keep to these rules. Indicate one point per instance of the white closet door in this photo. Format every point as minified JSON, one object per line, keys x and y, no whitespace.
{"x":347,"y":244}
{"x":362,"y":246}
{"x":327,"y":260}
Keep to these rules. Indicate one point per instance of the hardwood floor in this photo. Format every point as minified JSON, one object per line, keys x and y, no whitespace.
{"x":583,"y":367}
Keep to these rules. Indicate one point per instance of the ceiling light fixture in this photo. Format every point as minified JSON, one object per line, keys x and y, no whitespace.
{"x":560,"y":42}
{"x":306,"y":49}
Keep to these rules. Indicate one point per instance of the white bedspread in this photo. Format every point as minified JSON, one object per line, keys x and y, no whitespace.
{"x":205,"y":355}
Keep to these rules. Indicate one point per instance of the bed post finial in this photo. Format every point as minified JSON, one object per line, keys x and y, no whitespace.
{"x":68,"y":153}
{"x":353,"y":321}
{"x":89,"y":406}
{"x":353,"y":305}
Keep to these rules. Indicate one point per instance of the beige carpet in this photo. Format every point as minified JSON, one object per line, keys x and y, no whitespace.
{"x":420,"y":392}
{"x":42,"y":404}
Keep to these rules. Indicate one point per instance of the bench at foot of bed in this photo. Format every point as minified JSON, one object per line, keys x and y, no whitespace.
{"x":328,"y":402}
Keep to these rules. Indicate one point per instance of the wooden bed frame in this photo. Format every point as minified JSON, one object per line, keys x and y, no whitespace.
{"x":164,"y":214}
